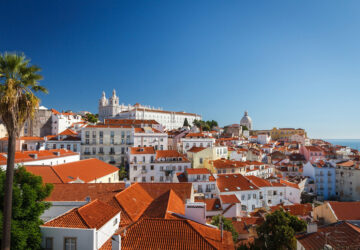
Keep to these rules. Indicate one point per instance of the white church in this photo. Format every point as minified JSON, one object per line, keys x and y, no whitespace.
{"x":111,"y":109}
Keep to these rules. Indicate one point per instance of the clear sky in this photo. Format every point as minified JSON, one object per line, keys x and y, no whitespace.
{"x":289,"y":63}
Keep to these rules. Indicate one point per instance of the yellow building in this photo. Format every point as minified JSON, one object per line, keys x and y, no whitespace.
{"x":200,"y":156}
{"x":285,"y":133}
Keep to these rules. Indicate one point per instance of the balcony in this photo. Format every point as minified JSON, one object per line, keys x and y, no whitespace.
{"x":101,"y":153}
{"x":112,"y":162}
{"x":87,"y":153}
{"x":143,"y":171}
{"x":208,"y":190}
{"x":111,"y":153}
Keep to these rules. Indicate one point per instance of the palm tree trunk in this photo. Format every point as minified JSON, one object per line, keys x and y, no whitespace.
{"x":6,"y":233}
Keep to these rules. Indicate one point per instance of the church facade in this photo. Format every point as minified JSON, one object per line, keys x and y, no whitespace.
{"x":112,"y":109}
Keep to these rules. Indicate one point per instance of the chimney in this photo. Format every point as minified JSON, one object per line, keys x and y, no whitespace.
{"x":35,"y":156}
{"x":196,"y":211}
{"x":311,"y":227}
{"x":116,"y":242}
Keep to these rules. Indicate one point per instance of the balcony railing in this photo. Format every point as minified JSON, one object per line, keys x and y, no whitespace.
{"x":87,"y":153}
{"x":143,"y":171}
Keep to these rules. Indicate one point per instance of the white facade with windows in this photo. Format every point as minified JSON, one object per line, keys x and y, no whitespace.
{"x":107,"y":143}
{"x":196,"y":141}
{"x":146,"y":165}
{"x":62,"y":121}
{"x":149,"y":137}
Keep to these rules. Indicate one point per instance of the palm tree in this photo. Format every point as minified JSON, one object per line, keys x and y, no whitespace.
{"x":18,"y":82}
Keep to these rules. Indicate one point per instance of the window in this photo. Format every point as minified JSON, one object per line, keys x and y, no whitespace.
{"x":48,"y":243}
{"x":143,"y":179}
{"x":115,"y":221}
{"x":75,"y":148}
{"x":201,"y":160}
{"x":70,"y":243}
{"x":152,"y":178}
{"x":101,"y":134}
{"x":179,"y":168}
{"x":254,"y":196}
{"x":152,"y":167}
{"x":144,"y":167}
{"x":161,"y":178}
{"x":249,"y":196}
{"x":135,"y":168}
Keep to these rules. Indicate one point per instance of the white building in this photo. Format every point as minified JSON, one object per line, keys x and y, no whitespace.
{"x":89,"y":227}
{"x":146,"y":165}
{"x":62,"y":121}
{"x":197,"y":140}
{"x":42,"y":157}
{"x":254,"y":192}
{"x":203,"y":181}
{"x":150,"y":137}
{"x":263,"y":138}
{"x":107,"y":143}
{"x":67,"y":139}
{"x":110,"y":108}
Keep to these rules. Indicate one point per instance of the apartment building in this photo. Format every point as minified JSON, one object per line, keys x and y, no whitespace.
{"x":148,"y":165}
{"x":107,"y":143}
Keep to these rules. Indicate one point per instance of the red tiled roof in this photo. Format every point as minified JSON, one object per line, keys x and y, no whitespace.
{"x":234,"y":182}
{"x":137,"y":199}
{"x":80,"y":191}
{"x":25,"y":156}
{"x":174,"y":234}
{"x":197,"y":171}
{"x":90,"y":215}
{"x":69,"y":132}
{"x":240,"y":227}
{"x":142,"y":150}
{"x":339,"y":235}
{"x":211,"y":204}
{"x":202,"y":135}
{"x":196,"y":149}
{"x":86,"y":170}
{"x":346,"y":210}
{"x":296,"y":209}
{"x":229,"y":199}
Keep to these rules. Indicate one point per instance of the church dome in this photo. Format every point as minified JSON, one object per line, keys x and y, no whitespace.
{"x":246,"y":121}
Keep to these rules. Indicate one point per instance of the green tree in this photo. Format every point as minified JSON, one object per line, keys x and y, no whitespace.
{"x":186,"y":123}
{"x":227,"y":225}
{"x":278,"y":230}
{"x":122,"y":173}
{"x":205,"y":125}
{"x":18,"y":82}
{"x":244,"y":128}
{"x":28,"y":195}
{"x":91,"y":118}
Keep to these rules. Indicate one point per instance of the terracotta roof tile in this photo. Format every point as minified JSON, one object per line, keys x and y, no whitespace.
{"x":234,"y":182}
{"x":346,"y":210}
{"x":229,"y":199}
{"x":338,"y":235}
{"x":90,"y":215}
{"x":80,"y":191}
{"x":142,"y":150}
{"x":197,"y":171}
{"x":196,"y":149}
{"x":86,"y":170}
{"x":174,"y":234}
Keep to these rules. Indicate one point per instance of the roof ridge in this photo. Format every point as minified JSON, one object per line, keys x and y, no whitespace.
{"x":187,"y":221}
{"x":51,"y":167}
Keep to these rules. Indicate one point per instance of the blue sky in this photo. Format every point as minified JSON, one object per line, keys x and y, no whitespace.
{"x":289,"y":63}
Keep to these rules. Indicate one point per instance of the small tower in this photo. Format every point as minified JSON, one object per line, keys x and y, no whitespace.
{"x":114,"y":100}
{"x":103,"y":101}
